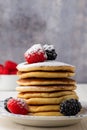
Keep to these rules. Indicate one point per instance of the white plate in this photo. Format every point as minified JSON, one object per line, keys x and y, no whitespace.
{"x":46,"y":121}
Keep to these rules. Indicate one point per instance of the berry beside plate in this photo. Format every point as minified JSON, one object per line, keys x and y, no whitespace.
{"x":16,"y":106}
{"x":70,"y":107}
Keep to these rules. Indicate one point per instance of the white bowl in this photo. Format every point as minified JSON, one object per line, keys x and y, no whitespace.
{"x":8,"y":82}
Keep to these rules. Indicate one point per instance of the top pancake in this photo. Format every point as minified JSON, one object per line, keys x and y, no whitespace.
{"x":46,"y":66}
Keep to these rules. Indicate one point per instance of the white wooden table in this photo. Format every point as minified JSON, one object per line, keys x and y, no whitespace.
{"x":6,"y":124}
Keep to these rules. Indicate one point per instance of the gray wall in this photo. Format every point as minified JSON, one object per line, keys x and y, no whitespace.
{"x":59,"y":22}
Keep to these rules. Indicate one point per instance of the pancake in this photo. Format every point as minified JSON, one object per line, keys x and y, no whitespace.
{"x":41,"y":74}
{"x":46,"y":66}
{"x":36,"y":81}
{"x":44,"y":108}
{"x":45,"y":89}
{"x":46,"y":114}
{"x":26,"y":95}
{"x":49,"y":101}
{"x":45,"y":85}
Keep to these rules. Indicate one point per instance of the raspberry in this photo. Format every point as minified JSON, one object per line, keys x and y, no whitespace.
{"x":35,"y":54}
{"x":70,"y":107}
{"x":10,"y":65}
{"x":1,"y":68}
{"x":5,"y":103}
{"x":17,"y":106}
{"x":50,"y":51}
{"x":5,"y":71}
{"x":1,"y":65}
{"x":13,"y":72}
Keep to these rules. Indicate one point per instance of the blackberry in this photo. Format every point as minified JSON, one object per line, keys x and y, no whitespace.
{"x":50,"y":51}
{"x":70,"y":107}
{"x":5,"y":103}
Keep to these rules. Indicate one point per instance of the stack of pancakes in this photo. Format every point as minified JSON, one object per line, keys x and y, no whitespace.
{"x":45,"y":85}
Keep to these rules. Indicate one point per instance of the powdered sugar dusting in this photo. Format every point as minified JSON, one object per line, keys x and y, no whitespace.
{"x":35,"y":54}
{"x":34,"y":48}
{"x":48,"y":47}
{"x":47,"y":63}
{"x":20,"y":102}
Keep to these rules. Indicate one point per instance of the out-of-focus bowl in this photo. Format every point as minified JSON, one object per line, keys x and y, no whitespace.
{"x":8,"y":82}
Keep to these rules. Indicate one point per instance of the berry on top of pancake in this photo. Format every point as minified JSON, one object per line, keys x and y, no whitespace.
{"x":35,"y":54}
{"x":39,"y":53}
{"x":50,"y":51}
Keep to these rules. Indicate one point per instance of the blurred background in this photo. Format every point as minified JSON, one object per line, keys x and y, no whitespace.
{"x":62,"y":23}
